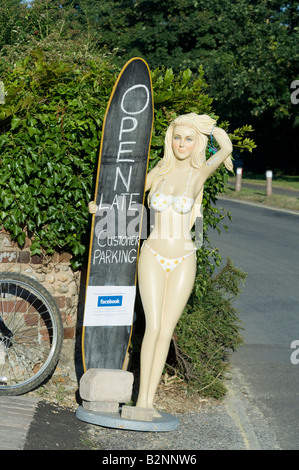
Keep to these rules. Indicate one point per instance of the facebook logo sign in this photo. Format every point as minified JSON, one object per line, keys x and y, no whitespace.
{"x":110,"y":300}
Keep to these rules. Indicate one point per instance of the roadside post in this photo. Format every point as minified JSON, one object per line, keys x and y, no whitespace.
{"x":239,"y":179}
{"x":269,"y":175}
{"x":2,"y":93}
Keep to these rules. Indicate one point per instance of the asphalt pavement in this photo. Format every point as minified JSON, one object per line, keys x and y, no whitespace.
{"x":263,"y":242}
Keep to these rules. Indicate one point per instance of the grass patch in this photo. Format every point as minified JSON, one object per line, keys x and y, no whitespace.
{"x":278,"y":180}
{"x":258,"y":195}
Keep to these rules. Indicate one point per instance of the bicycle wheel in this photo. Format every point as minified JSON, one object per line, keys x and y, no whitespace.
{"x":31,"y":334}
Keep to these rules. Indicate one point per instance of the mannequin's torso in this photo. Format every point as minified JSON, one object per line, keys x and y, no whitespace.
{"x":171,"y":235}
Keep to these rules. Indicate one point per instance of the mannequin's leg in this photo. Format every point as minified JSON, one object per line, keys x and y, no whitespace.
{"x":151,"y":280}
{"x":179,"y":286}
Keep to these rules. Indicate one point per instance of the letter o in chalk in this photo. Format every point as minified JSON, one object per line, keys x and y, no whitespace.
{"x":147,"y":97}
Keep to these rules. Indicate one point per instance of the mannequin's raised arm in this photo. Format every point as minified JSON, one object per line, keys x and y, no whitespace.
{"x":222,"y":154}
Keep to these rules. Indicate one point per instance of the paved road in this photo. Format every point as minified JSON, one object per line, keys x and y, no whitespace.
{"x":264,"y":243}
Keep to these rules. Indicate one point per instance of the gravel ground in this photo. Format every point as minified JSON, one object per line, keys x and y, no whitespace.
{"x":202,"y":430}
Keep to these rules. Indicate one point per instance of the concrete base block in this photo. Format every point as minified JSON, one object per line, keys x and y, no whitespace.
{"x":101,"y":406}
{"x":136,"y":413}
{"x":106,"y":385}
{"x":113,"y":420}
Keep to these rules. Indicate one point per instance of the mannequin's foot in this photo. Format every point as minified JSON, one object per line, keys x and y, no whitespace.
{"x":156,"y":413}
{"x":137,"y":413}
{"x":144,"y":404}
{"x":141,"y":403}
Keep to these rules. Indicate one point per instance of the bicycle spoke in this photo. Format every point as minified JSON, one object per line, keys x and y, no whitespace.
{"x":28,"y":333}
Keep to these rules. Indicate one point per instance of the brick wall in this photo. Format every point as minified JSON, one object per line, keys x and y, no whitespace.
{"x":54,"y":273}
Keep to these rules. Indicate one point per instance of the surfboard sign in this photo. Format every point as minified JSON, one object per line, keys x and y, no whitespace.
{"x":117,"y":223}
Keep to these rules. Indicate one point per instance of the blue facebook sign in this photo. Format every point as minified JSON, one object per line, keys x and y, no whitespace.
{"x":110,"y":300}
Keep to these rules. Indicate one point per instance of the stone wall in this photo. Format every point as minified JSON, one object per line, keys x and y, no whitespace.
{"x":68,"y":289}
{"x":54,"y":273}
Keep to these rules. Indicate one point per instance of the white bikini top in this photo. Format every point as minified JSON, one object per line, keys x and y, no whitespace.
{"x":181,"y":204}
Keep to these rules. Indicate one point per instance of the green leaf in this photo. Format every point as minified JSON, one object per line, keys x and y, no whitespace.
{"x":15,"y":122}
{"x":32,"y":131}
{"x":35,"y":248}
{"x":8,"y":200}
{"x":46,"y":192}
{"x":21,"y":238}
{"x":187,"y":74}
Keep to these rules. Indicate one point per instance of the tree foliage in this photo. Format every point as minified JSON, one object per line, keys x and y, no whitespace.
{"x":248,"y":50}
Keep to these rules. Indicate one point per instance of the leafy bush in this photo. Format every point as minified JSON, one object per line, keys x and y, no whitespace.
{"x":51,"y":125}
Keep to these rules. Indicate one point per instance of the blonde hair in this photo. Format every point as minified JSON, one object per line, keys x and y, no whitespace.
{"x":203,"y":125}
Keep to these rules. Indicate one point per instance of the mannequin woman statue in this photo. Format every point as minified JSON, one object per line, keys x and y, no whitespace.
{"x":167,"y":262}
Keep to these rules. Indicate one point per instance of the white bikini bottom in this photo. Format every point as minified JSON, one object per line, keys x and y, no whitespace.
{"x":168,"y":264}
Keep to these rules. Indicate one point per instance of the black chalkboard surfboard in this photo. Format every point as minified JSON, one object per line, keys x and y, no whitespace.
{"x":116,"y":226}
